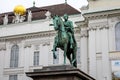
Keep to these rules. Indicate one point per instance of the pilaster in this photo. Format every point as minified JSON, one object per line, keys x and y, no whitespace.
{"x":1,"y":64}
{"x":92,"y":52}
{"x":26,"y":58}
{"x":105,"y":54}
{"x":84,"y":49}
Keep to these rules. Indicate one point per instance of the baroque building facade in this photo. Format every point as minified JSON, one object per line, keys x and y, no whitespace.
{"x":99,"y":43}
{"x":26,"y":41}
{"x":26,"y":45}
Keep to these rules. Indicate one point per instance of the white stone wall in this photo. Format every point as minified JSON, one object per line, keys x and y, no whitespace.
{"x":27,"y":36}
{"x":98,"y":31}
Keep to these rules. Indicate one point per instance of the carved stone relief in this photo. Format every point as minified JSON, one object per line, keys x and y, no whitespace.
{"x":83,"y":32}
{"x":100,"y":26}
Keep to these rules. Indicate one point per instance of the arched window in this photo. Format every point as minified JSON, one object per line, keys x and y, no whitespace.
{"x":14,"y":56}
{"x":117,"y":36}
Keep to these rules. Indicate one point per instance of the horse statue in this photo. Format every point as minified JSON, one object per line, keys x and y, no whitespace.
{"x":62,"y":41}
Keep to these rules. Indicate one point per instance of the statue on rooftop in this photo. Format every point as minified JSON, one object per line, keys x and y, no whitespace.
{"x":29,"y":16}
{"x":19,"y":12}
{"x":5,"y":19}
{"x":65,"y":39}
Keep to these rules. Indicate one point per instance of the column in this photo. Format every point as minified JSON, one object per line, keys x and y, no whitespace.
{"x":92,"y":52}
{"x":84,"y":50}
{"x":105,"y":54}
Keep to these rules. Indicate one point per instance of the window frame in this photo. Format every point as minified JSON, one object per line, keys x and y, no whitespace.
{"x":117,"y":37}
{"x":13,"y":77}
{"x":14,"y":56}
{"x":36,"y":59}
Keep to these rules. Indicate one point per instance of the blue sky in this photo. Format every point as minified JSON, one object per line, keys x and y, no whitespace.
{"x":8,"y":5}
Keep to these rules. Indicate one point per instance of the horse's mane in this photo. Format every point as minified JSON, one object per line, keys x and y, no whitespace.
{"x":62,"y":24}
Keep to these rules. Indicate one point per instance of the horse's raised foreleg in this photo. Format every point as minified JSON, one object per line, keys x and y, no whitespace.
{"x":54,"y":55}
{"x":54,"y":47}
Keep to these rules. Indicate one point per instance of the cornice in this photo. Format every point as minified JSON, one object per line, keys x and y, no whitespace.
{"x":28,"y":36}
{"x":33,"y":35}
{"x":101,"y":14}
{"x":95,"y":16}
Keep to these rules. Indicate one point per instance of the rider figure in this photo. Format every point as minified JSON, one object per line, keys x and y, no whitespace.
{"x":69,"y":29}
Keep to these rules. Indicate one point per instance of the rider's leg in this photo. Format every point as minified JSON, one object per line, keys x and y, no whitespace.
{"x":71,"y":40}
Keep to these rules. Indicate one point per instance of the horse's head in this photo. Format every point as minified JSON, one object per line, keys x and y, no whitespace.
{"x":56,"y":22}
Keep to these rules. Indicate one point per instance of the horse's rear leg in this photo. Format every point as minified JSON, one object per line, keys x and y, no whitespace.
{"x":65,"y":52}
{"x":74,"y":60}
{"x":69,"y":56}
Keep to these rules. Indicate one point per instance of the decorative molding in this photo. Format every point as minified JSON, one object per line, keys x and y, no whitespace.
{"x":36,"y":47}
{"x":81,"y":24}
{"x":10,"y":71}
{"x":15,"y":41}
{"x":89,"y":15}
{"x":100,"y":26}
{"x":114,"y":55}
{"x":29,"y":39}
{"x":113,"y":19}
{"x":104,"y":27}
{"x":83,"y":32}
{"x":19,"y":38}
{"x":93,"y":16}
{"x":99,"y":56}
{"x":2,"y":46}
{"x":46,"y":43}
{"x":92,"y":28}
{"x":27,"y":45}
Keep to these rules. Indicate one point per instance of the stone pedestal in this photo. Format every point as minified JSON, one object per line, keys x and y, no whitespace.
{"x":64,"y":72}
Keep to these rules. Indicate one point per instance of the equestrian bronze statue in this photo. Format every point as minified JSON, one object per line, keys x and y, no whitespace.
{"x":64,"y":39}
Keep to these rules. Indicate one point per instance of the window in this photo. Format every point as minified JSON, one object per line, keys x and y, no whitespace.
{"x":117,"y":36}
{"x":36,"y":58}
{"x":14,"y":56}
{"x":13,"y":77}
